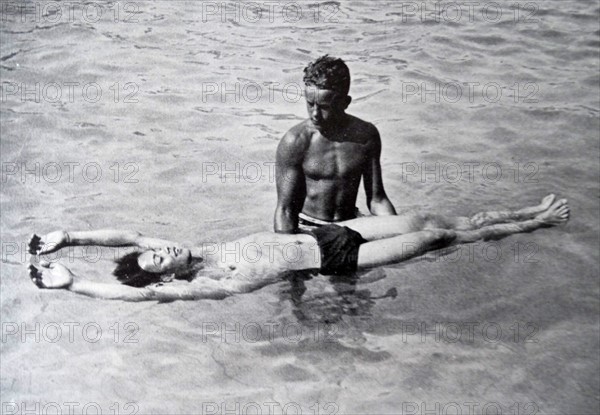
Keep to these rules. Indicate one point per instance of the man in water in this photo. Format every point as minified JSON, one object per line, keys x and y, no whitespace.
{"x":320,"y":162}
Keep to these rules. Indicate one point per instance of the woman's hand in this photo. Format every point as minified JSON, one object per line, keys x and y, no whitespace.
{"x":52,"y":242}
{"x":50,"y":275}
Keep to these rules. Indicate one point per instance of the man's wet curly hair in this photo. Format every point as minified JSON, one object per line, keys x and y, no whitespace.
{"x":328,"y":72}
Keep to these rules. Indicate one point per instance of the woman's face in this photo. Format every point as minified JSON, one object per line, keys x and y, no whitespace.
{"x":167,"y":259}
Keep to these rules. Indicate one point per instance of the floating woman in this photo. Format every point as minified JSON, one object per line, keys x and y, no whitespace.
{"x":250,"y":263}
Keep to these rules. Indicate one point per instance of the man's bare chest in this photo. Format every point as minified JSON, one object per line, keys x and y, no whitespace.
{"x":334,"y":160}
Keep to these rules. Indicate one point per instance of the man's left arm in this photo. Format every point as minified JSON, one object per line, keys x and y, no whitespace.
{"x":377,"y":200}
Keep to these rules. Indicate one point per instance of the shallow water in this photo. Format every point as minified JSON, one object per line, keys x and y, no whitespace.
{"x":181,"y":158}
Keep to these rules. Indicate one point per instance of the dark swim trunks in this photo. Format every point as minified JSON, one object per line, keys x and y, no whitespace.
{"x":339,"y":249}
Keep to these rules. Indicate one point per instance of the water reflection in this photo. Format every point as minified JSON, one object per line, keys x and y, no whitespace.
{"x":329,"y":307}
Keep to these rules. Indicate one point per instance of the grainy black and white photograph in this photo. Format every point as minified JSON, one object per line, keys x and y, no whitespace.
{"x":300,"y":207}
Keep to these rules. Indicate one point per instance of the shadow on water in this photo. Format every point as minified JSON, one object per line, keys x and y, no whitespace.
{"x":330,"y":307}
{"x":345,"y":298}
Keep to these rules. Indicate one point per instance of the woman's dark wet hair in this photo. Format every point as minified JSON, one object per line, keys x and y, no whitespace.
{"x":128,"y":272}
{"x":328,"y":72}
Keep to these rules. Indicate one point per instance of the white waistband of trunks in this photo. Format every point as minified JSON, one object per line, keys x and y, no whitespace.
{"x":314,"y":220}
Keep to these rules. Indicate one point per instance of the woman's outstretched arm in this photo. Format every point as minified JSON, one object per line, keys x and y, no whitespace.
{"x":162,"y":293}
{"x":54,"y":241}
{"x":57,"y":276}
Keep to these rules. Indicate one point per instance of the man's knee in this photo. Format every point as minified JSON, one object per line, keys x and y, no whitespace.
{"x":432,"y":221}
{"x":440,"y":236}
{"x":464,"y":224}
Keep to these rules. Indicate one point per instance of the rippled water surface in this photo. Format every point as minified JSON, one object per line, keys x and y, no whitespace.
{"x":167,"y":151}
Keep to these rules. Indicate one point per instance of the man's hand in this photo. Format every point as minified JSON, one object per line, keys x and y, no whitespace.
{"x":382,"y":207}
{"x":50,"y":275}
{"x":52,"y":242}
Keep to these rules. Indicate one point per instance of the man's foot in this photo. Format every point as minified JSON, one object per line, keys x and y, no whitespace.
{"x":532,"y":211}
{"x":557,"y":213}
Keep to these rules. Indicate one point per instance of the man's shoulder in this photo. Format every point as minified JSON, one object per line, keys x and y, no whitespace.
{"x":363,"y":131}
{"x":363,"y":126}
{"x":298,"y":136}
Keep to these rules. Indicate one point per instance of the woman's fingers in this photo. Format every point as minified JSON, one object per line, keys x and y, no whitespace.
{"x":34,"y":244}
{"x":32,"y":271}
{"x":36,"y":277}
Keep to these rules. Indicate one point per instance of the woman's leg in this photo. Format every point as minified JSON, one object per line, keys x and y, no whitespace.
{"x":555,"y":214}
{"x":403,"y":247}
{"x":491,"y":218}
{"x":379,"y":227}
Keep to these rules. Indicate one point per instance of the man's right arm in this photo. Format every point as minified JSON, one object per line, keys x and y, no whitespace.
{"x":291,"y":184}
